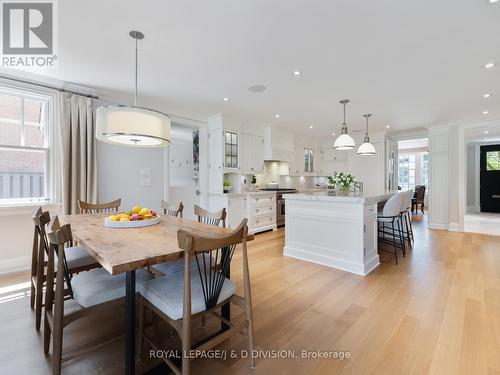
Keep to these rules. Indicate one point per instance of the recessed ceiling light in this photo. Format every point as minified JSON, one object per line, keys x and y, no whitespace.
{"x":493,"y":1}
{"x":486,"y":132}
{"x":297,"y":73}
{"x":310,"y":127}
{"x":388,"y":126}
{"x":489,"y":65}
{"x":486,"y":96}
{"x":485,"y":112}
{"x":257,"y":88}
{"x":277,"y":116}
{"x":333,"y":133}
{"x":226,"y":99}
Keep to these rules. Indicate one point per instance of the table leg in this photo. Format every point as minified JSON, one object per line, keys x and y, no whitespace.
{"x":130,"y":323}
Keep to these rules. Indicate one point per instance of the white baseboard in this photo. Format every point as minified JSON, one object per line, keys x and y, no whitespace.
{"x":13,"y":265}
{"x":439,"y":226}
{"x":455,"y":227}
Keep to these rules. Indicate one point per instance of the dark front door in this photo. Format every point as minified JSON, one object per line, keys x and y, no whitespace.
{"x":490,"y":178}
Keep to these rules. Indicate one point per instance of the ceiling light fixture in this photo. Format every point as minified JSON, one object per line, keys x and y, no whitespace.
{"x":310,"y":127}
{"x":486,"y":132}
{"x":277,"y":116}
{"x":366,"y":148}
{"x":344,"y":141}
{"x":297,"y":73}
{"x":226,"y":99}
{"x":493,"y":1}
{"x":485,"y":112}
{"x":489,"y":65}
{"x":486,"y":96}
{"x":387,"y":126}
{"x":132,"y":125}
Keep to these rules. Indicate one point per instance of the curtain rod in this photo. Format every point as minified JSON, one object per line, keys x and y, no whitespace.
{"x":49,"y":87}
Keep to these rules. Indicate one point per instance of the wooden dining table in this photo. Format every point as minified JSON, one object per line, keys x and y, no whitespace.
{"x":126,"y":250}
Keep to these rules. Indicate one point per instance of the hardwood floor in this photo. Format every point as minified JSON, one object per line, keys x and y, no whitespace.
{"x":437,"y":312}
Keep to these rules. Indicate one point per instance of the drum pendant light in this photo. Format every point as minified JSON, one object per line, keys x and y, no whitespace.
{"x":132,"y":125}
{"x":367,"y":148}
{"x":344,"y":141}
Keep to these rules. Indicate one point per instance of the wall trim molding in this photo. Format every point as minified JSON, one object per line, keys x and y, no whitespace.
{"x":455,"y":227}
{"x":438,"y":226}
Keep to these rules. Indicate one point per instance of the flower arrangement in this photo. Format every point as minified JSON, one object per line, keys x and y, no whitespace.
{"x":343,"y":180}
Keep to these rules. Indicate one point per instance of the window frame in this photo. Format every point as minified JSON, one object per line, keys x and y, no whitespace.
{"x":50,"y":147}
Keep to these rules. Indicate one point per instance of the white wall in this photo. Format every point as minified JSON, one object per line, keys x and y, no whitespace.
{"x":471,"y":168}
{"x":119,"y":175}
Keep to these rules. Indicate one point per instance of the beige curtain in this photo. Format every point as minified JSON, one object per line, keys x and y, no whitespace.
{"x":78,"y":147}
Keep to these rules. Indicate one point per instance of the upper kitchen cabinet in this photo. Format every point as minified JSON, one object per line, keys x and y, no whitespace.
{"x":278,"y":144}
{"x":252,"y":153}
{"x":231,"y":150}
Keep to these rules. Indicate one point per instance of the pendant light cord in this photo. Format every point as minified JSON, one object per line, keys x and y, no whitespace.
{"x":135,"y":95}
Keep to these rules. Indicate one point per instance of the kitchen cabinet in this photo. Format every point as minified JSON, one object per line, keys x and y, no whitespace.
{"x":304,"y":161}
{"x":252,"y":153}
{"x":231,"y":150}
{"x":258,"y":208}
{"x":235,"y":205}
{"x":261,"y":212}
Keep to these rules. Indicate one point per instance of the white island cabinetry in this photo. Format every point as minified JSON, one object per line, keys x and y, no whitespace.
{"x":336,"y":231}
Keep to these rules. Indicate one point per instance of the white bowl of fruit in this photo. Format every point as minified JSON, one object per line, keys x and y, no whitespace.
{"x":135,"y":218}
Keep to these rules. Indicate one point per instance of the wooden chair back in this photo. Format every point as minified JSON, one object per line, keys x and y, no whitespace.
{"x":95,"y":208}
{"x":59,"y":237}
{"x":211,"y":218}
{"x":213,"y":258}
{"x":167,"y":210}
{"x":39,"y":251}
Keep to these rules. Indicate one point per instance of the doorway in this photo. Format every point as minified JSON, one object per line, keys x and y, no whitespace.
{"x":490,"y":178}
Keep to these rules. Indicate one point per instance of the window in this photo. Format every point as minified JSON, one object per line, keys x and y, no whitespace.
{"x":493,"y":161}
{"x":413,"y":170}
{"x":24,"y":146}
{"x":308,"y":160}
{"x":231,"y":147}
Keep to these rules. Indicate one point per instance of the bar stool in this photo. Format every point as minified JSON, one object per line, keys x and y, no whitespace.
{"x":389,"y":229}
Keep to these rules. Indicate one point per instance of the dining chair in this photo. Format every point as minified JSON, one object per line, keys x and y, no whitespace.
{"x":95,"y":208}
{"x":418,"y":198}
{"x":77,"y":258}
{"x":93,"y":292}
{"x":389,"y":224}
{"x":211,"y":218}
{"x":186,"y":295}
{"x":168,"y":210}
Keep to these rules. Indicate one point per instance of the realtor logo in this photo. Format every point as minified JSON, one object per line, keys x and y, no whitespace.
{"x":28,"y":33}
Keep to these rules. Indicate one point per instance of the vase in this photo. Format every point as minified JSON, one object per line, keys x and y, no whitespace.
{"x":345,"y":190}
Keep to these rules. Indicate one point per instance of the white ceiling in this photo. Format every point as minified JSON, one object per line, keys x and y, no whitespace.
{"x":410,"y":63}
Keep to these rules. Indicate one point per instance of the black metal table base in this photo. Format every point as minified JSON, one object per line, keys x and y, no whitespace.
{"x":130,"y":323}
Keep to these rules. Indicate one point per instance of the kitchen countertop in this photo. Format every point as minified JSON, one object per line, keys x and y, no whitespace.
{"x":245,"y":193}
{"x":331,"y":196}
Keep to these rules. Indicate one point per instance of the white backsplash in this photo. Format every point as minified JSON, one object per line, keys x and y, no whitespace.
{"x":272,"y":174}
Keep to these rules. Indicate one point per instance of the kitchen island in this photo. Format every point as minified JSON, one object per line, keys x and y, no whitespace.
{"x":334,"y":230}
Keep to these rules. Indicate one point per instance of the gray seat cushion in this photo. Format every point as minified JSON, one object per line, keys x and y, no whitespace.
{"x":170,"y":268}
{"x":98,"y":286}
{"x":77,"y":257}
{"x":167,"y":293}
